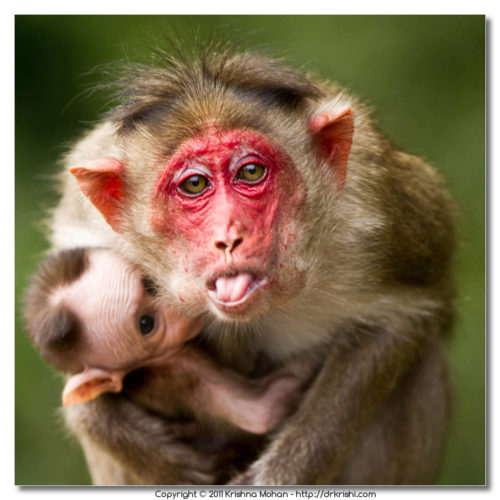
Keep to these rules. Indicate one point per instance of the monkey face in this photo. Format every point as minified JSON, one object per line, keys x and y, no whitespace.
{"x":230,"y":199}
{"x":219,"y":223}
{"x":120,"y":324}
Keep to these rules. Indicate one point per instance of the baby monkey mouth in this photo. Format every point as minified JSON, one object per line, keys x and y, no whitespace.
{"x":235,"y":289}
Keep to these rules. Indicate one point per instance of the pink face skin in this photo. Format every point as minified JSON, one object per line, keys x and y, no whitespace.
{"x":226,"y":208}
{"x":231,"y":197}
{"x":122,"y":326}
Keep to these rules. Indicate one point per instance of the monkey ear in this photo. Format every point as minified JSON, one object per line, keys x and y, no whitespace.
{"x":333,"y":131}
{"x":89,"y":384}
{"x":101,"y":181}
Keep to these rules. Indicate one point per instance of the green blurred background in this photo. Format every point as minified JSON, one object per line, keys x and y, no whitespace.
{"x":425,"y":78}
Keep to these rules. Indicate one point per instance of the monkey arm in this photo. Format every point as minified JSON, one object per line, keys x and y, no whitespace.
{"x":132,"y":446}
{"x":355,"y":379}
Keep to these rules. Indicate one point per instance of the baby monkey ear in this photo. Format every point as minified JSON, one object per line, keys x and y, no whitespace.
{"x":90,"y":384}
{"x":101,"y":181}
{"x":333,"y":131}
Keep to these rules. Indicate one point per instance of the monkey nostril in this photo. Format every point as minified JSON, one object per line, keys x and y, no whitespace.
{"x":220,"y":245}
{"x":236,"y":242}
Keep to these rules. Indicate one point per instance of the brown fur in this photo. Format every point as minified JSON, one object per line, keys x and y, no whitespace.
{"x":54,"y":330}
{"x":376,"y":302}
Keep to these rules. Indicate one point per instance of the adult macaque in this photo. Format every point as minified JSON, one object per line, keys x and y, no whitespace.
{"x":268,"y":202}
{"x":90,"y":314}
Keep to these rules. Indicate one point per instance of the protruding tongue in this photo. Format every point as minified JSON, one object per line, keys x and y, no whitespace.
{"x":232,"y":288}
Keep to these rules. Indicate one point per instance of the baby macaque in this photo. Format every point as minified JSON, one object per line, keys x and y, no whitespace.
{"x":93,"y":315}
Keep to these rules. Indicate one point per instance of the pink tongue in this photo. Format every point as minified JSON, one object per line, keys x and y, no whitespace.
{"x":234,"y":288}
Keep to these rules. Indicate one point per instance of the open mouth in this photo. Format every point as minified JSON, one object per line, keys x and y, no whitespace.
{"x":231,"y":291}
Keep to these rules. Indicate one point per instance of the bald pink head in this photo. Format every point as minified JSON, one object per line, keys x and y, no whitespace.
{"x":122,"y":326}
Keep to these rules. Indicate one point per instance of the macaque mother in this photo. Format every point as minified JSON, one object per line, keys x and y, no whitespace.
{"x":268,"y":203}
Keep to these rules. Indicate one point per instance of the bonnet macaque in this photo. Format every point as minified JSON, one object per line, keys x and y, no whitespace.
{"x":90,"y":314}
{"x":268,"y":202}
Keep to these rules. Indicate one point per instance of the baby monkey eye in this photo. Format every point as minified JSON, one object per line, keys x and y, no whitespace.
{"x":194,"y":184}
{"x":146,"y":324}
{"x":251,"y":172}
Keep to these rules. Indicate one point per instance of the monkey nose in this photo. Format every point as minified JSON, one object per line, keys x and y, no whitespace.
{"x":228,"y":240}
{"x":228,"y":244}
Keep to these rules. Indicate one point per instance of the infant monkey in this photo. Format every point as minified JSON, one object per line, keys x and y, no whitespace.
{"x":91,"y":314}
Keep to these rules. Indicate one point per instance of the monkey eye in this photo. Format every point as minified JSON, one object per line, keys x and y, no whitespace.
{"x":252,"y":172}
{"x":146,"y":323}
{"x":193,"y":185}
